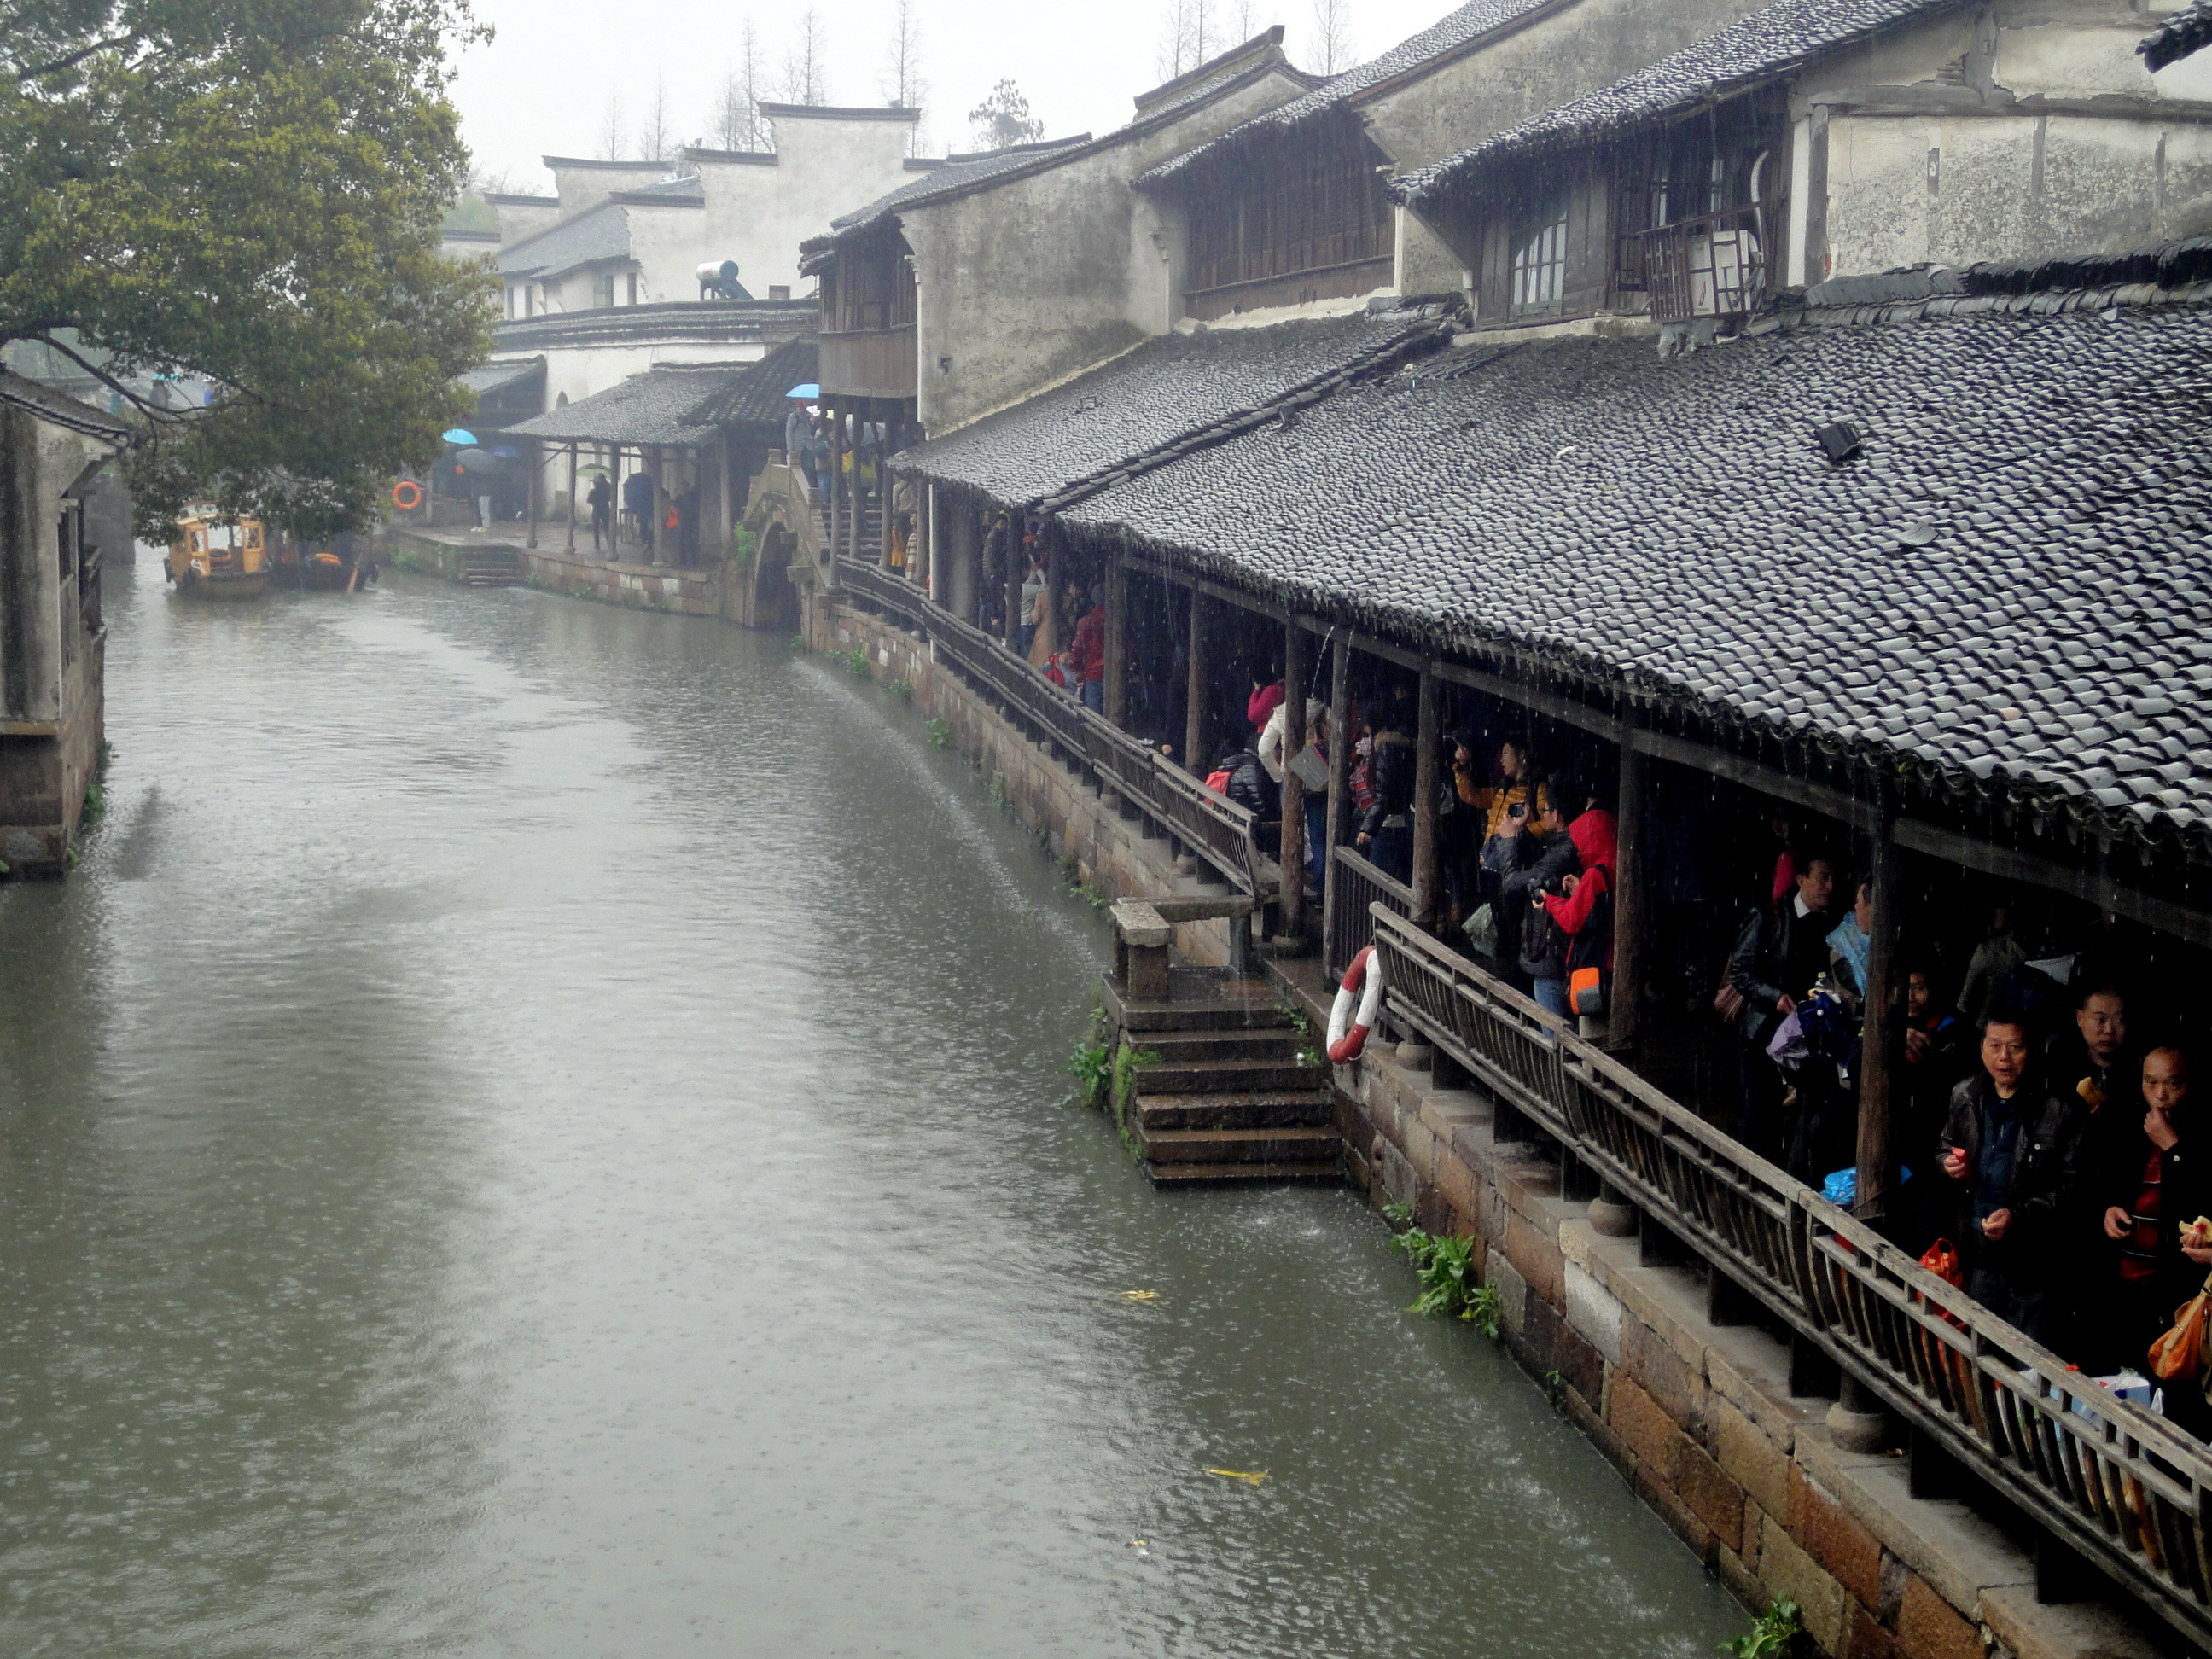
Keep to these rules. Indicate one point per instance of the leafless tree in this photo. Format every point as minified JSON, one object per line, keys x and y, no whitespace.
{"x":902,"y":84}
{"x":1241,"y":17}
{"x":1332,"y":46}
{"x":1003,"y":119}
{"x":1188,"y":36}
{"x":655,"y":139}
{"x":488,"y":181}
{"x":806,"y":68}
{"x":610,"y":132}
{"x":737,"y":107}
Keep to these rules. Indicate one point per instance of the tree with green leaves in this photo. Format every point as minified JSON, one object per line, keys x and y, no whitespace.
{"x":250,"y":191}
{"x":1003,"y":119}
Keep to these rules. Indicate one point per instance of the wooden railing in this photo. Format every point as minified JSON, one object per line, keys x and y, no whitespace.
{"x":1713,"y":265}
{"x":1360,"y":886}
{"x":1208,"y":823}
{"x":2118,"y":1485}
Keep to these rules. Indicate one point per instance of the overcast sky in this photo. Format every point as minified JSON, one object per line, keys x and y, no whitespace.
{"x":541,"y":87}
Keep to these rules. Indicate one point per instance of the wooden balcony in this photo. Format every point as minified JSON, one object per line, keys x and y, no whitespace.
{"x":874,"y":362}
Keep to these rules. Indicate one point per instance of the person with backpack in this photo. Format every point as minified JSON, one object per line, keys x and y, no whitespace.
{"x":1780,"y":951}
{"x":1535,"y":865}
{"x":1583,"y":908}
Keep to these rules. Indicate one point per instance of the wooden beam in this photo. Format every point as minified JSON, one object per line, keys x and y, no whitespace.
{"x":835,"y":485}
{"x":1548,"y":703}
{"x":1198,"y":683}
{"x":1117,"y":642}
{"x":1848,"y":810}
{"x":572,"y":498}
{"x":1294,"y":795}
{"x":2033,"y":869}
{"x":530,"y":491}
{"x":1629,"y":909}
{"x":1340,"y":788}
{"x":1879,"y":1032}
{"x":1428,"y":718}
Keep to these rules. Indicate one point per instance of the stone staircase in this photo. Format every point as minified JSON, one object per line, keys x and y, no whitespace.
{"x":1226,"y":1087}
{"x":490,"y":566}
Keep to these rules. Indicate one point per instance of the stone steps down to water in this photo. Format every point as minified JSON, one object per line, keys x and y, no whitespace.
{"x":490,"y":566}
{"x":1229,"y":1089}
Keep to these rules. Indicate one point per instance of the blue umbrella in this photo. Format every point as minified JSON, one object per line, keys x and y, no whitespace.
{"x":811,"y":390}
{"x":457,"y":436}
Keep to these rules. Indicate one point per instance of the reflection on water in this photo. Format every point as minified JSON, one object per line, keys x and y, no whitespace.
{"x":536,"y":1130}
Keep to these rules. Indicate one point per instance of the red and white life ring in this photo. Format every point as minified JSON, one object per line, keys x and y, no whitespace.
{"x":1363,"y":982}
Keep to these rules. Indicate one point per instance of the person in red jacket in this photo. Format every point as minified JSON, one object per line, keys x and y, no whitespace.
{"x":1090,"y":648}
{"x":1583,"y":912}
{"x":1265,"y":698}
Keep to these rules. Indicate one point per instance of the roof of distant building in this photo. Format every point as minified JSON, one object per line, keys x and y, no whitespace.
{"x":1440,"y":41}
{"x":689,"y":321}
{"x":651,"y":408}
{"x":1239,"y":67}
{"x":840,"y":113}
{"x":1745,"y":52}
{"x":1161,"y":393}
{"x":757,"y":395}
{"x":2187,"y":31}
{"x":489,"y":378}
{"x":600,"y":232}
{"x":65,"y":411}
{"x":2006,"y":590}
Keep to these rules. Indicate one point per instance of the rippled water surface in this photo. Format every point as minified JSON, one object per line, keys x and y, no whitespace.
{"x":536,"y":1130}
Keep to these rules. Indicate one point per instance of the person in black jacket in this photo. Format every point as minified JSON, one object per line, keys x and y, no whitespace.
{"x":2013,"y":1149}
{"x":1779,"y":952}
{"x":1386,"y":828}
{"x":1534,"y":864}
{"x":1250,"y":785}
{"x":2151,"y":1188}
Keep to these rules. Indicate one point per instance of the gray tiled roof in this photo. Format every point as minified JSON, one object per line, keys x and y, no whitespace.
{"x":1160,"y":394}
{"x":653,"y":408}
{"x":491,"y":377}
{"x":1758,"y":46}
{"x":599,"y":231}
{"x":2010,"y":589}
{"x":755,"y":395}
{"x":2187,"y":31}
{"x":63,"y":409}
{"x":1477,"y":18}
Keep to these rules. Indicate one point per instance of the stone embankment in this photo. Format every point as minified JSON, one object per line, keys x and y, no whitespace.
{"x":1692,"y":1399}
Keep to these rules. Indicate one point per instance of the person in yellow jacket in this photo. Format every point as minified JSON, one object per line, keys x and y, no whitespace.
{"x":1514,"y":779}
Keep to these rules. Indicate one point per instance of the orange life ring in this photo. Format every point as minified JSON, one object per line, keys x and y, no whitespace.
{"x":413,"y":498}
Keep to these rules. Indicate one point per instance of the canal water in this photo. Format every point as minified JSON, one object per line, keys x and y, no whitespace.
{"x":537,"y":1130}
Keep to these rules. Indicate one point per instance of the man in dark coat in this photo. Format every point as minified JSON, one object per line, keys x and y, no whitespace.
{"x":1780,"y":951}
{"x":2013,"y":1149}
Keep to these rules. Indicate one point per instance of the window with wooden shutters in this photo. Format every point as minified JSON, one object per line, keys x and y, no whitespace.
{"x":1315,"y":203}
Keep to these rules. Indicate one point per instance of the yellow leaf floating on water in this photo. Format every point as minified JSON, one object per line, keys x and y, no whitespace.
{"x":1140,"y":1295}
{"x":1250,"y":1477}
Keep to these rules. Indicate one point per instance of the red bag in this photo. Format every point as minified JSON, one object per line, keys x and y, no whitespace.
{"x":1218,"y":782}
{"x":1941,"y":1258}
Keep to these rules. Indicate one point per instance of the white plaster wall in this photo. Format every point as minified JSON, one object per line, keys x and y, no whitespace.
{"x":583,"y":371}
{"x":518,"y":220}
{"x":667,"y":245}
{"x":579,"y":187}
{"x":1953,"y":188}
{"x":1033,"y":280}
{"x":826,"y":168}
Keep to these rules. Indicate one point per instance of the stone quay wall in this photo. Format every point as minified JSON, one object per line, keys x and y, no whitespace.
{"x":1697,"y":1416}
{"x":581,"y":576}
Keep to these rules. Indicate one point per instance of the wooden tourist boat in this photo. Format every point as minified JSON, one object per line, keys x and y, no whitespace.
{"x":211,"y":557}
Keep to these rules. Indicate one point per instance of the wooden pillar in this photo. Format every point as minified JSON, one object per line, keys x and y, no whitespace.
{"x":657,"y":469}
{"x":856,"y":494}
{"x":614,"y":511}
{"x":1015,"y":522}
{"x":1117,"y":642}
{"x":1428,"y":718}
{"x":1629,"y":899}
{"x":1340,"y":789}
{"x":1198,"y":685}
{"x":572,"y":498}
{"x":530,"y":491}
{"x":836,"y":487}
{"x":936,"y":571}
{"x":1877,"y":1057}
{"x":1294,"y":795}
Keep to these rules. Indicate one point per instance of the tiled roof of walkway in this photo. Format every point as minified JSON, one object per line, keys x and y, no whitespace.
{"x":2011,"y":582}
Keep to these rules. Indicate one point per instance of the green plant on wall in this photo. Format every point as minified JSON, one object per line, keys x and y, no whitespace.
{"x":1772,"y":1635}
{"x":940,"y":732}
{"x":856,"y":661}
{"x":1450,"y":1287}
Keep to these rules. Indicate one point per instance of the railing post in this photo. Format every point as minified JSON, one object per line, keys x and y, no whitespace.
{"x":1428,"y":717}
{"x":1628,"y":899}
{"x":1293,"y":851}
{"x":1339,"y":796}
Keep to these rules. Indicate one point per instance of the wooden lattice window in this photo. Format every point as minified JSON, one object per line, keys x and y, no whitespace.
{"x":1539,"y":260}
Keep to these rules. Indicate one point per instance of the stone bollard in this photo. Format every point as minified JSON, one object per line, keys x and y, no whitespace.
{"x":1612,"y":1215}
{"x":1855,"y":1421}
